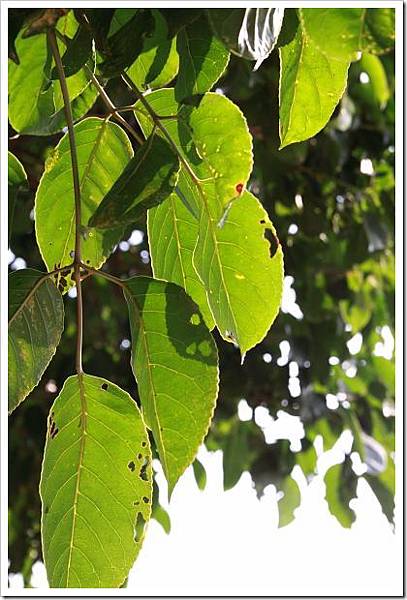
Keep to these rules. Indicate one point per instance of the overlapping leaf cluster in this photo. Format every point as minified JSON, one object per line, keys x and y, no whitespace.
{"x":215,"y":255}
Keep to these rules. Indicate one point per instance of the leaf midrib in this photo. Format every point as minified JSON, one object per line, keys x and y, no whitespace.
{"x":134,"y":303}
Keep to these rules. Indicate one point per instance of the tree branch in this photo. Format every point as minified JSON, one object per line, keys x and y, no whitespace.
{"x":77,"y":195}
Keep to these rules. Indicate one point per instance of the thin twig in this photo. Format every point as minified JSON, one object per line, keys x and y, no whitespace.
{"x":108,"y":276}
{"x":157,"y":122}
{"x":77,"y":194}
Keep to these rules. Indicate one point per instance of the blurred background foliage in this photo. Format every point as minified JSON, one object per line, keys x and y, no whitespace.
{"x":328,"y":360}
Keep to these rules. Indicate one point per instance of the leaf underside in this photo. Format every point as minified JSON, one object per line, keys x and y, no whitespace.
{"x":174,"y":359}
{"x":103,"y":152}
{"x":96,"y":485}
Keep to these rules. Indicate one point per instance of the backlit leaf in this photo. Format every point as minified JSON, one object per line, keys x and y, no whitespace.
{"x":36,"y":322}
{"x":174,"y":360}
{"x":289,"y":502}
{"x":103,"y":152}
{"x":314,"y":68}
{"x":199,"y":474}
{"x":172,"y":235}
{"x":35,"y":100}
{"x":244,"y":295}
{"x":148,"y":179}
{"x":158,"y":61}
{"x":233,"y":227}
{"x":203,"y":59}
{"x":215,"y":140}
{"x":96,"y":485}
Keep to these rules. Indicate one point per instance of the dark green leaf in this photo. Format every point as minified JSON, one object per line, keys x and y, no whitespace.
{"x":98,"y":21}
{"x":36,"y":322}
{"x":103,"y":152}
{"x":96,"y":485}
{"x":17,"y":181}
{"x":148,"y":179}
{"x":174,"y":360}
{"x":341,"y":482}
{"x":127,"y":43}
{"x":158,"y":512}
{"x":203,"y":59}
{"x":236,"y":454}
{"x":178,"y":18}
{"x":78,"y":52}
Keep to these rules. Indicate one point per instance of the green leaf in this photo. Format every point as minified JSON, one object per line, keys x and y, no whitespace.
{"x":233,"y":227}
{"x":158,"y":61}
{"x":178,"y":18}
{"x":199,"y":474}
{"x":383,"y":485}
{"x":17,"y":181}
{"x":174,"y":360}
{"x":77,"y":53}
{"x":36,"y":322}
{"x":126,"y":44}
{"x":172,"y":235}
{"x":96,"y":487}
{"x":373,"y":66}
{"x":340,"y":482}
{"x":158,"y":512}
{"x":215,"y":140}
{"x":236,"y":453}
{"x":203,"y":59}
{"x":313,"y":69}
{"x":148,"y":179}
{"x":289,"y":502}
{"x":35,"y":101}
{"x":378,"y":33}
{"x":103,"y":152}
{"x":244,"y":295}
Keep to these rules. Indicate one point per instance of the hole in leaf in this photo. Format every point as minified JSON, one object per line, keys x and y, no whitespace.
{"x":72,"y":254}
{"x":144,"y":444}
{"x":143,"y":470}
{"x":131,"y":466}
{"x":262,"y":222}
{"x":136,"y":503}
{"x":146,"y":500}
{"x":54,"y":434}
{"x":139,"y":456}
{"x":104,"y":386}
{"x":139,"y":527}
{"x":274,"y":241}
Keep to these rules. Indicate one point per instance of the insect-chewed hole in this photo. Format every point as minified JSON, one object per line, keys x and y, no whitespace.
{"x":146,"y":500}
{"x":143,"y":469}
{"x":262,"y":222}
{"x":144,"y":444}
{"x":131,"y":466}
{"x":274,"y":241}
{"x":139,"y":456}
{"x":104,"y":386}
{"x":136,"y":503}
{"x":139,"y":527}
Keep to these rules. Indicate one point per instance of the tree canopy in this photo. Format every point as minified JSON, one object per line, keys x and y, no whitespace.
{"x":310,"y":132}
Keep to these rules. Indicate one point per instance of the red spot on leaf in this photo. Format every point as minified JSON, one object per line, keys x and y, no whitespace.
{"x":239,"y":188}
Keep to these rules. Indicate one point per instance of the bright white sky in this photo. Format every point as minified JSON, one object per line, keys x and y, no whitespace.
{"x":228,"y":543}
